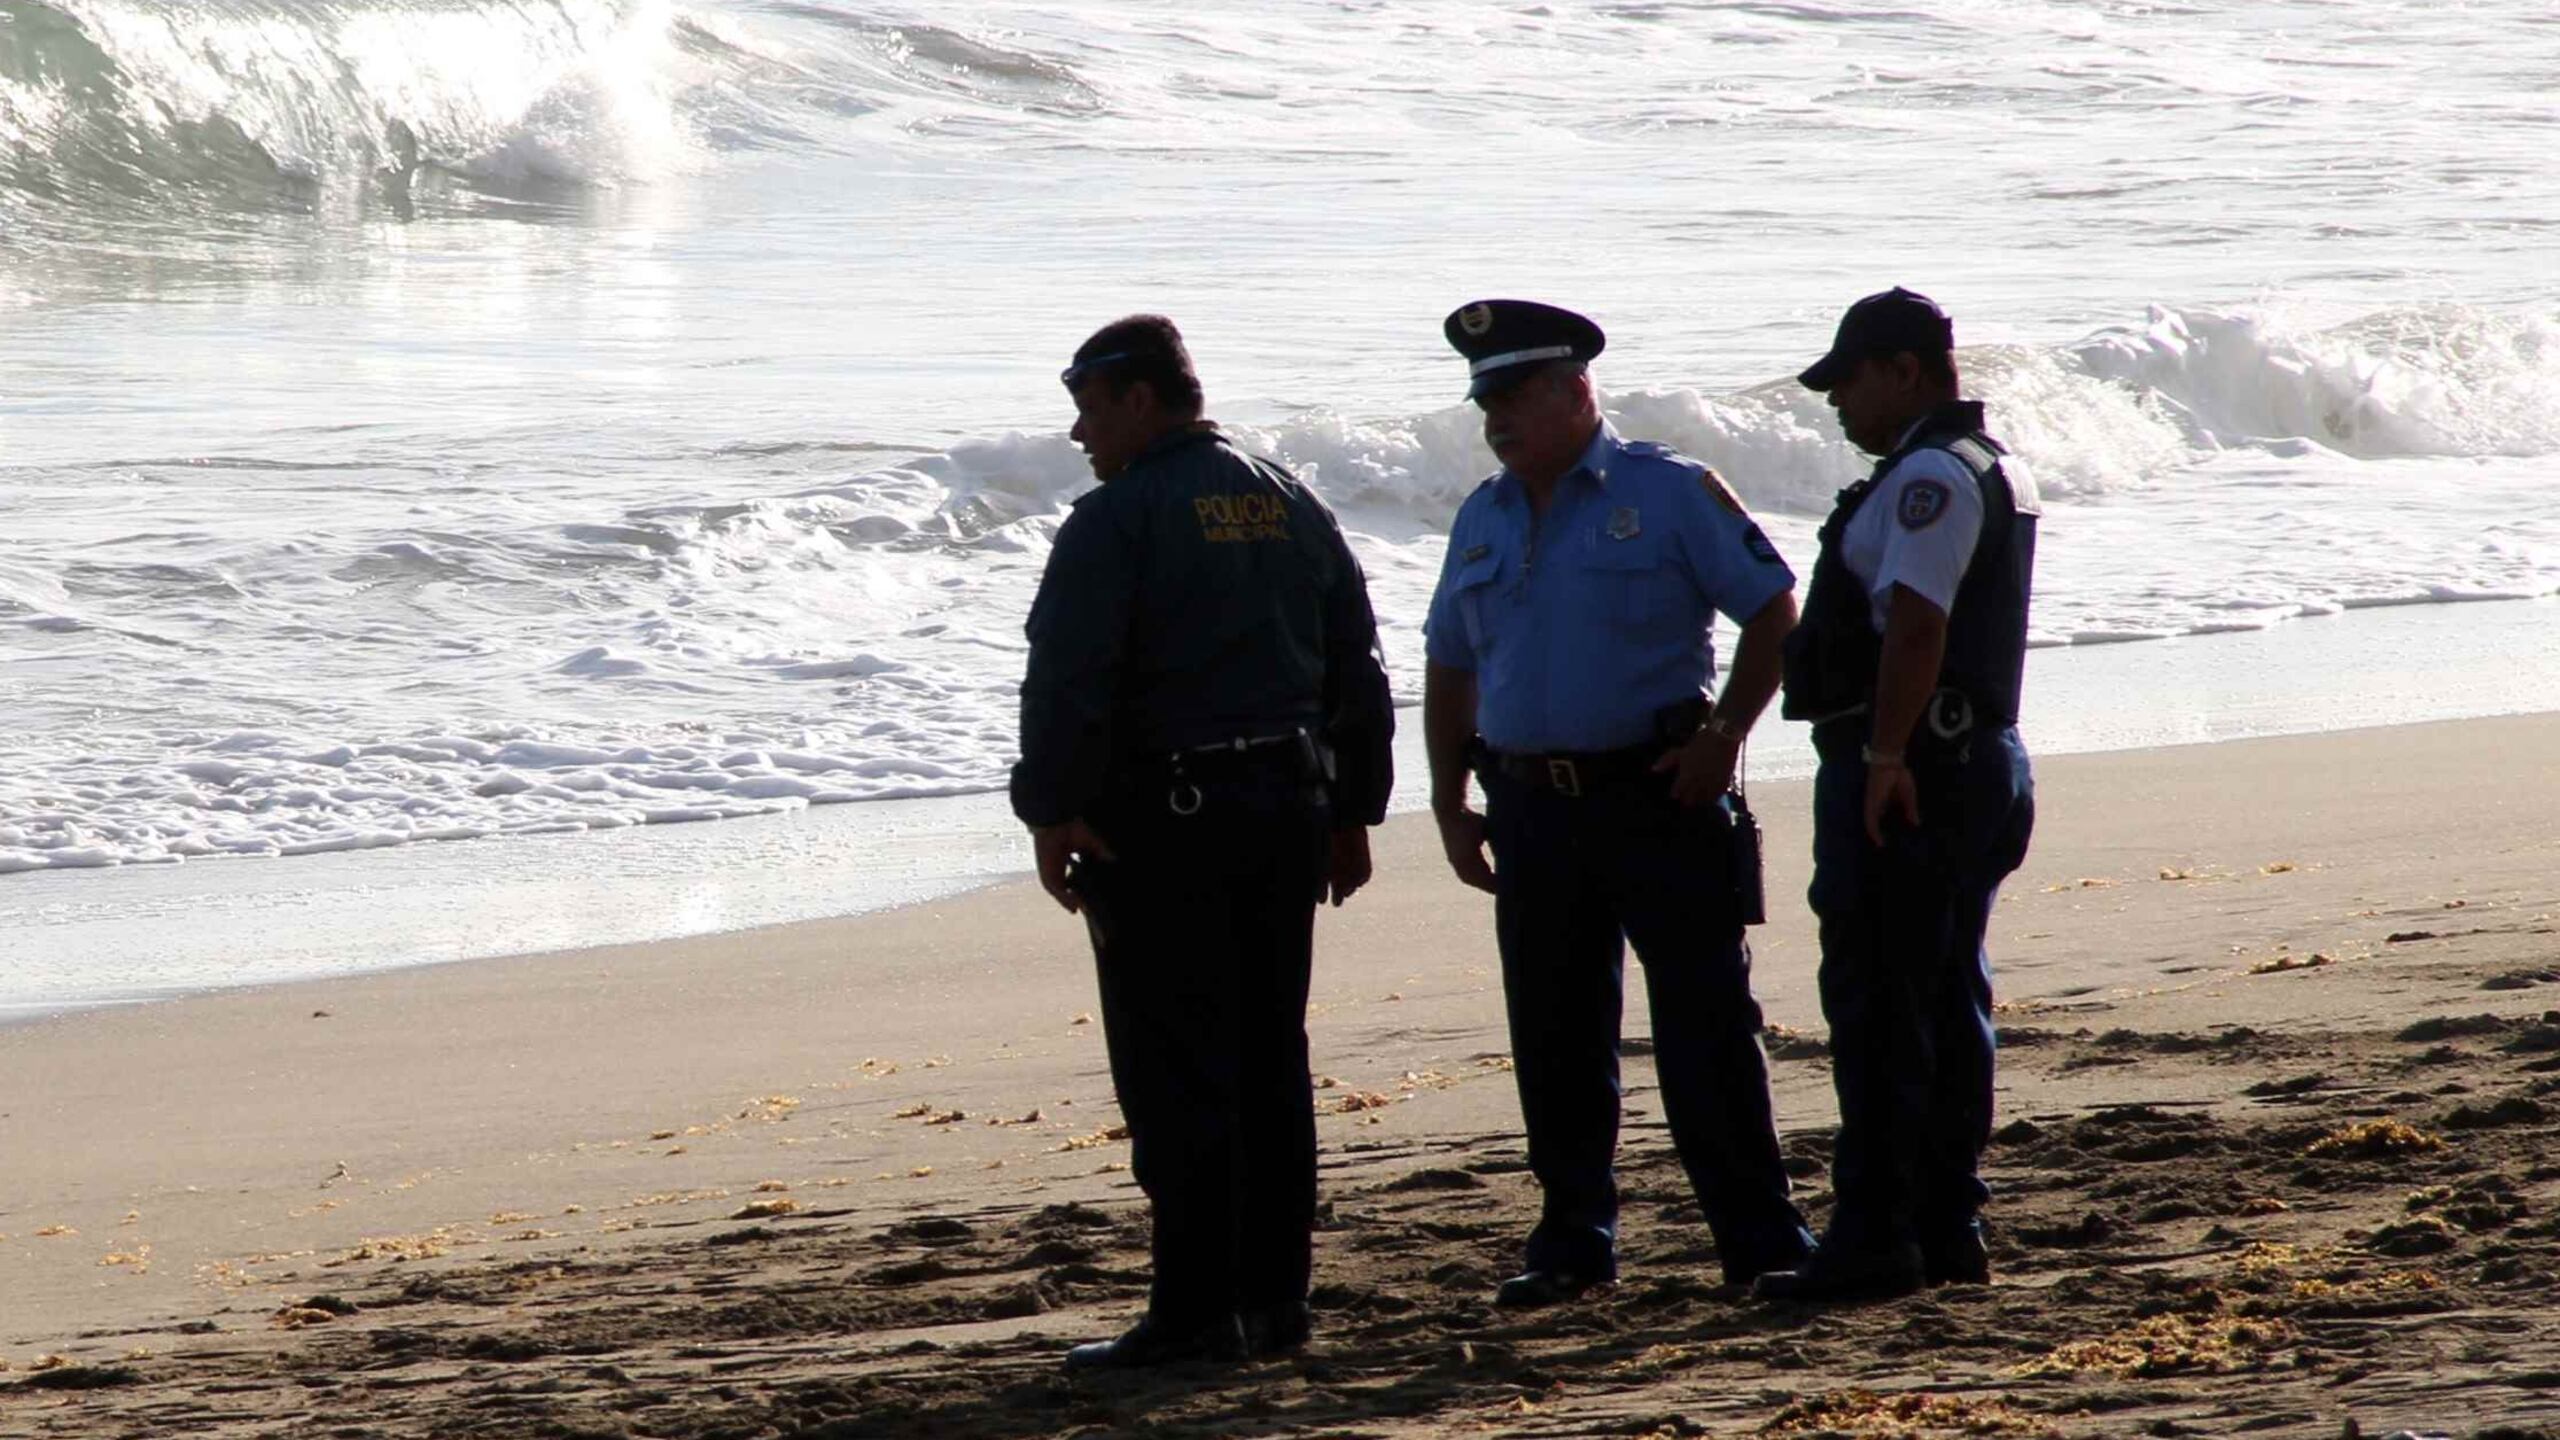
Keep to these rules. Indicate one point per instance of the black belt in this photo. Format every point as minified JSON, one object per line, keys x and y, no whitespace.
{"x":1293,"y":753}
{"x":1576,"y":773}
{"x":1946,"y":728}
{"x":1242,"y":755}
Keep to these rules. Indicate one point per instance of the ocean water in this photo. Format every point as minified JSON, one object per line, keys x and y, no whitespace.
{"x":460,"y":419}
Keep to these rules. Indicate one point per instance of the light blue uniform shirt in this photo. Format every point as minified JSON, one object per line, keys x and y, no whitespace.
{"x":1583,"y":622}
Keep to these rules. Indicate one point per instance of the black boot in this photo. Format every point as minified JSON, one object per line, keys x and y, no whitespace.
{"x":1536,"y":1288}
{"x":1957,"y":1257}
{"x":1279,"y":1329}
{"x":1156,"y":1342}
{"x":1835,"y":1273}
{"x":1745,"y":1266}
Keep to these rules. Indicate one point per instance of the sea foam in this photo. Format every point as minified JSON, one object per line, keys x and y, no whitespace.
{"x":858,"y":637}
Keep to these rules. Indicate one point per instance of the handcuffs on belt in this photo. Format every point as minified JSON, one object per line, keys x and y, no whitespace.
{"x":1184,"y":798}
{"x":1950,"y":718}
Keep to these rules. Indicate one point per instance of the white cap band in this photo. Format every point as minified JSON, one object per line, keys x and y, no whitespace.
{"x":1520,"y":357}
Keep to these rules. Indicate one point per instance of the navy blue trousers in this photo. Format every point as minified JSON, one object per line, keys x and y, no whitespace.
{"x":1202,"y":931}
{"x":1578,"y":879}
{"x":1906,"y":980}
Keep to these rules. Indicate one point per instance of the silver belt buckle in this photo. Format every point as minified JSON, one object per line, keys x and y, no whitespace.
{"x":1566,"y":779}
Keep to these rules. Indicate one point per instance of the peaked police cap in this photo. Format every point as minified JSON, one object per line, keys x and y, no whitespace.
{"x":1505,"y":341}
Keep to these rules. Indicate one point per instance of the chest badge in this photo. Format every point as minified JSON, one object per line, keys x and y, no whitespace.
{"x":1475,"y":553}
{"x":1624,"y":524}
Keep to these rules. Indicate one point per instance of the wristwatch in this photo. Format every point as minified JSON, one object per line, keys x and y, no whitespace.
{"x":1722,"y":728}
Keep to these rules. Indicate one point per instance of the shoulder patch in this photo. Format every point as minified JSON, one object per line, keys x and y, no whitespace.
{"x":1923,"y":501}
{"x":1721,"y":493}
{"x":1757,"y":542}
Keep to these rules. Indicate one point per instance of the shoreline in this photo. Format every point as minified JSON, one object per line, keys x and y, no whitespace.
{"x":149,"y":934}
{"x":782,"y":1117}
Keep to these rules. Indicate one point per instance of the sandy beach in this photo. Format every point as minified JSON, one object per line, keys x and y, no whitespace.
{"x":2274,"y":1159}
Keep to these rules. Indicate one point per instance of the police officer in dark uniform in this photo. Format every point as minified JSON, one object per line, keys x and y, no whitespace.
{"x":1908,"y":664}
{"x":1568,"y":658}
{"x":1205,"y":728}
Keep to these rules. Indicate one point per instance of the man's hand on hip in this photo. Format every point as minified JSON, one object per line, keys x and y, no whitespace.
{"x":1704,"y":768}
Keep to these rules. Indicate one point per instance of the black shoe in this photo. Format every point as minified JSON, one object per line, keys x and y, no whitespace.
{"x":1956,"y":1258}
{"x":1532,"y":1289}
{"x":1747,"y":1270}
{"x":1832,"y":1273}
{"x":1153,"y":1342}
{"x":1280,"y":1329}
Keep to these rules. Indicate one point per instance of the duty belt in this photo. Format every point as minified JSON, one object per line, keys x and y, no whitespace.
{"x":1575,"y":774}
{"x":1946,"y":727}
{"x":1186,"y":769}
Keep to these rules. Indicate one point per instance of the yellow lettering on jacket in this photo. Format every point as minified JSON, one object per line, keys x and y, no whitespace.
{"x":1241,"y":519}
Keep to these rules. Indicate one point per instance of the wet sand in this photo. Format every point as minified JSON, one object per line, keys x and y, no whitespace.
{"x":2275,"y":1154}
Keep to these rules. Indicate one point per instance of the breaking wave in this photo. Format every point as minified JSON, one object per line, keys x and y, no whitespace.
{"x":107,"y":103}
{"x":109,"y":106}
{"x":752,"y":645}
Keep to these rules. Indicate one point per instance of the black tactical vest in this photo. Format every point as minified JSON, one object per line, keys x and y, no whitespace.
{"x":1832,"y":654}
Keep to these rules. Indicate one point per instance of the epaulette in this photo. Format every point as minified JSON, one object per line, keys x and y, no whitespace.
{"x":1697,"y":469}
{"x":1979,"y":453}
{"x":1655,"y":450}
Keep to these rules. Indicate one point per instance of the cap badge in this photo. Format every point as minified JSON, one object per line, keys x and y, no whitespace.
{"x":1623,"y":524}
{"x":1476,"y":319}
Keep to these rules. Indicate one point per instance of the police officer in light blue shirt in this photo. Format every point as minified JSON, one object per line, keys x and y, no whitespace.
{"x":1568,"y":663}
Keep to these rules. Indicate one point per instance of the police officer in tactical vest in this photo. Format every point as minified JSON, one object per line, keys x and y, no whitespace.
{"x":1908,"y":665}
{"x":1568,"y":660}
{"x":1205,"y":728}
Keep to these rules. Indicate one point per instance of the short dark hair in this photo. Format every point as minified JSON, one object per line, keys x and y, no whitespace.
{"x":1149,"y":348}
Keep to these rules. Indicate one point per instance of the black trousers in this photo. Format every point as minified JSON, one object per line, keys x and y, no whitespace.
{"x":1578,"y":879}
{"x":1906,"y":977}
{"x":1202,"y":931}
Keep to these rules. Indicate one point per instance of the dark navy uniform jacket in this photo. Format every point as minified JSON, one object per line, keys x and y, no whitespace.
{"x":1201,"y":596}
